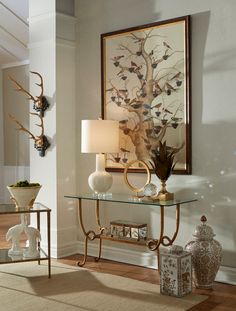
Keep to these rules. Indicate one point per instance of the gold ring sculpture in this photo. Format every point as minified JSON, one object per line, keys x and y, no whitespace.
{"x":135,"y":189}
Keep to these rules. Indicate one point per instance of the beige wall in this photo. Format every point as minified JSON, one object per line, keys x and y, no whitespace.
{"x":1,"y":124}
{"x":16,"y":143}
{"x":55,"y":60}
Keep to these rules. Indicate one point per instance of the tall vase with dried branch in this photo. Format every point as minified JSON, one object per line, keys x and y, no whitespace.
{"x":163,"y":164}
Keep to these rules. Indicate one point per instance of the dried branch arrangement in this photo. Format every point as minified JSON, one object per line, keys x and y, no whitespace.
{"x":41,"y":142}
{"x":163,"y":161}
{"x":163,"y":164}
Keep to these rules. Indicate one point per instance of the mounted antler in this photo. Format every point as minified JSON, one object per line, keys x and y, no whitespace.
{"x":40,"y":142}
{"x":40,"y":102}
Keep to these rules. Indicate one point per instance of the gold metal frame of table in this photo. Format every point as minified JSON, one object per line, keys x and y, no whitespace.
{"x":152,"y":244}
{"x":38,"y":208}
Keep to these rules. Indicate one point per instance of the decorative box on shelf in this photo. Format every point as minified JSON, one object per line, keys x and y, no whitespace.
{"x":175,"y":271}
{"x":127,"y":229}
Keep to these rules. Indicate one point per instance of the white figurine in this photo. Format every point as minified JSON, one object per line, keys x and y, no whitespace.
{"x":33,"y":236}
{"x":14,"y":234}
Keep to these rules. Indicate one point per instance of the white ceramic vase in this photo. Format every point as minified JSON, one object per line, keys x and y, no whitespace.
{"x":206,"y":255}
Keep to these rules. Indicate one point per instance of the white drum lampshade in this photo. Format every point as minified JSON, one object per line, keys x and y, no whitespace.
{"x":100,"y":136}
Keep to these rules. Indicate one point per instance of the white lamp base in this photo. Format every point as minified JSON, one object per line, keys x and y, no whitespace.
{"x":100,"y":181}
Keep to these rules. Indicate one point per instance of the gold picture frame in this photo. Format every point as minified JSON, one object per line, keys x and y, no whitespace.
{"x":146,"y":87}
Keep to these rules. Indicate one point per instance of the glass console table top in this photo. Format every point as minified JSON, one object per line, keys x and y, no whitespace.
{"x":125,"y":198}
{"x":12,"y":209}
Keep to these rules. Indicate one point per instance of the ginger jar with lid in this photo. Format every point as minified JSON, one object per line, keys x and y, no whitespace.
{"x":206,"y":255}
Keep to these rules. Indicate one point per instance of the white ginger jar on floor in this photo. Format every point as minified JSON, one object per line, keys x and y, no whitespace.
{"x":206,"y":255}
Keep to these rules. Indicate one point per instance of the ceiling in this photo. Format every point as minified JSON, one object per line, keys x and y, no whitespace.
{"x":14,"y":32}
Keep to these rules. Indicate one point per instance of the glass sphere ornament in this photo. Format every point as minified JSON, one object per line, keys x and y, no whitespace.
{"x":150,"y":190}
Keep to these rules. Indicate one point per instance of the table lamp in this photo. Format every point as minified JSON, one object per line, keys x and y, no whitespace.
{"x":100,"y":136}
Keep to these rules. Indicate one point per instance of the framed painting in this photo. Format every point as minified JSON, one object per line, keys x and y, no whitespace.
{"x":146,"y":87}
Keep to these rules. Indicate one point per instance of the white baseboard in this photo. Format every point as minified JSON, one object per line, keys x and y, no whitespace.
{"x":63,"y":241}
{"x":226,"y":275}
{"x":64,"y":250}
{"x":140,"y":257}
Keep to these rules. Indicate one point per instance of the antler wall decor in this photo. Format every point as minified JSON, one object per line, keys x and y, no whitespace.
{"x":40,"y":102}
{"x":41,"y":142}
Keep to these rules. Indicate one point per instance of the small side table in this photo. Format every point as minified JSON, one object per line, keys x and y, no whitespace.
{"x":38,"y":208}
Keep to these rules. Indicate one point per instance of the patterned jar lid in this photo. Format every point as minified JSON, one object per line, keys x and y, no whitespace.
{"x":175,"y":249}
{"x":203,"y":231}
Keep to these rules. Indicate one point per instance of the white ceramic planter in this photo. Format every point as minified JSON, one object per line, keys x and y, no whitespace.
{"x":24,"y":196}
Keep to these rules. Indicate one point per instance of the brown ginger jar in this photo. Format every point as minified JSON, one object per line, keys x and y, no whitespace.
{"x":206,"y":255}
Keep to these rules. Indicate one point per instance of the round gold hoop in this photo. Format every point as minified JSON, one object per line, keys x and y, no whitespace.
{"x":126,"y":178}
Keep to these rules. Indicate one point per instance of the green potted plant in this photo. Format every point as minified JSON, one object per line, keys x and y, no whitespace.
{"x":24,"y":193}
{"x":163,"y":164}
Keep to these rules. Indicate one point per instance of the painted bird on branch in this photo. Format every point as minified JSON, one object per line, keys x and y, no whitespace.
{"x":167,"y":45}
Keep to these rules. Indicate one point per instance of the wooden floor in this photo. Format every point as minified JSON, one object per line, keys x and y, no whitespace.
{"x":221,"y":298}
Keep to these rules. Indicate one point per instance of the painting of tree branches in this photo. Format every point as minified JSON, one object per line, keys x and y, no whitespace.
{"x":145,"y":86}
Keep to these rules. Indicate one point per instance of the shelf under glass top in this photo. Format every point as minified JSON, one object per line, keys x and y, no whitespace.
{"x":5,"y":258}
{"x":125,"y":198}
{"x":12,"y":209}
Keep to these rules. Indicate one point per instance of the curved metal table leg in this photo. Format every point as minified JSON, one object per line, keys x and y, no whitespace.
{"x":90,"y":235}
{"x":100,"y":250}
{"x":80,"y":214}
{"x":81,"y":263}
{"x":101,"y":229}
{"x":154,"y":244}
{"x":98,"y":215}
{"x":170,"y":241}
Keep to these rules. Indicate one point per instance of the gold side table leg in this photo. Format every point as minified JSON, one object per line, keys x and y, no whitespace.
{"x":38,"y":227}
{"x":49,"y":242}
{"x":101,"y":229}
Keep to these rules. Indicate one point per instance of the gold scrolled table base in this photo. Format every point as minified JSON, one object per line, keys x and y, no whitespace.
{"x":151,"y":243}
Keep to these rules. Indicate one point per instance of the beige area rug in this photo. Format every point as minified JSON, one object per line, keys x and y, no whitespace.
{"x":26,"y":287}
